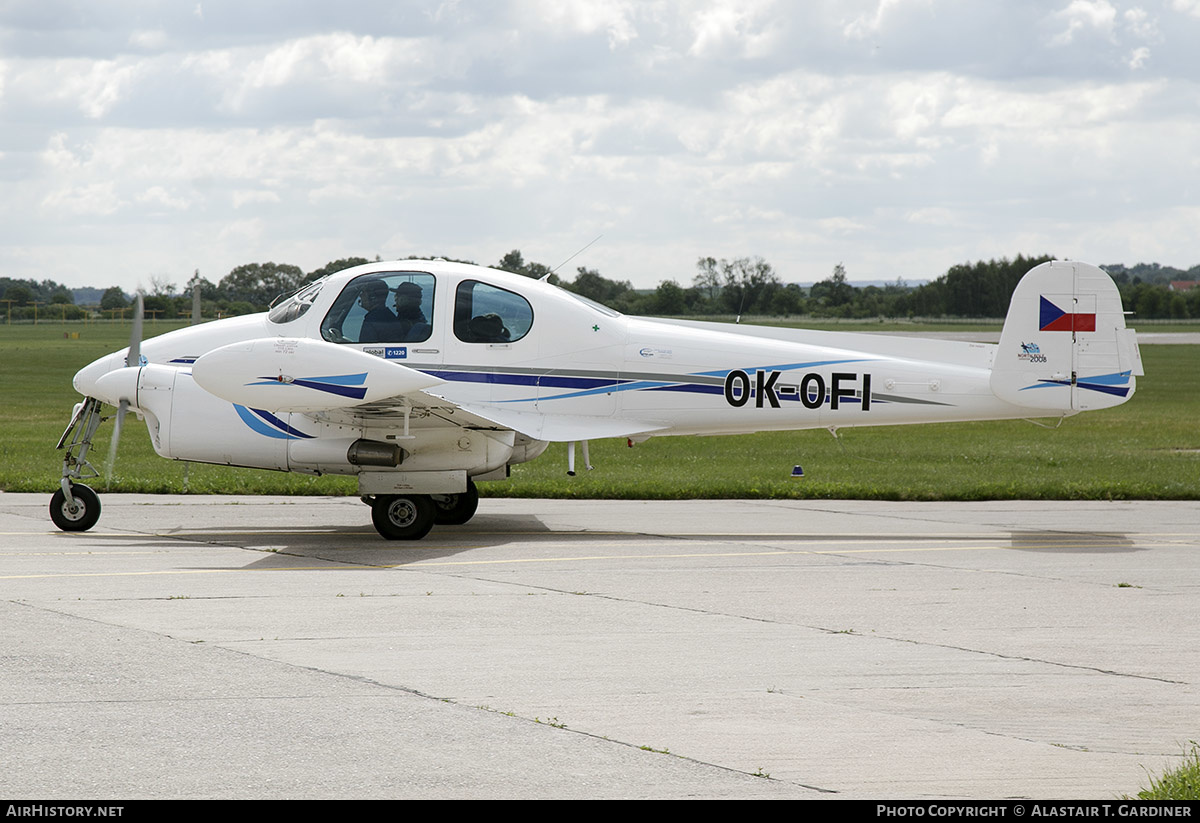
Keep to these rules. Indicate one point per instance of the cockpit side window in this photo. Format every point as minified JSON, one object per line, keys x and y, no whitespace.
{"x":489,"y":314}
{"x":386,"y":307}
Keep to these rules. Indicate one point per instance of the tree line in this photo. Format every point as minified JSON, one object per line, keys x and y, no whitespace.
{"x":741,"y":286}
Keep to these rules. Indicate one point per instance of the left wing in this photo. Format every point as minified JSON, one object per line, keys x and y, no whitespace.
{"x":558,"y":427}
{"x":283,"y":374}
{"x":280,"y":374}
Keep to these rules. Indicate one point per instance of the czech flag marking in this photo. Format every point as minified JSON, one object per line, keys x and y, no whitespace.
{"x":1055,"y":319}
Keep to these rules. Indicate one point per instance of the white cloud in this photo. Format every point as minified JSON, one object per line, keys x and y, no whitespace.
{"x":613,"y":17}
{"x":916,"y":105}
{"x":242,"y":231}
{"x":735,"y":28}
{"x":160,"y":196}
{"x":1082,"y":15}
{"x":935,"y":216}
{"x":1141,"y":24}
{"x":93,"y":87}
{"x":1191,"y":7}
{"x":243,"y":196}
{"x":841,"y":225}
{"x":678,"y":130}
{"x":340,"y":60}
{"x":58,"y":156}
{"x":1038,"y":113}
{"x":148,"y":39}
{"x":866,"y":26}
{"x":88,"y":200}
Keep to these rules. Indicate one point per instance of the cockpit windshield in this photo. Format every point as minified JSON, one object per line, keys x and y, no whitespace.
{"x":295,"y":304}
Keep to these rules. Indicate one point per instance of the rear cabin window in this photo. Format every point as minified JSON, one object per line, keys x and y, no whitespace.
{"x":489,"y":314}
{"x":387,"y":307}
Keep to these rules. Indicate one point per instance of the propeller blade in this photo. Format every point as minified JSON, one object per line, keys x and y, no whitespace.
{"x":116,"y":438}
{"x":134,"y":358}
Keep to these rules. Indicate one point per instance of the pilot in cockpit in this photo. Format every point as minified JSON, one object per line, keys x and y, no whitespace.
{"x":379,"y":325}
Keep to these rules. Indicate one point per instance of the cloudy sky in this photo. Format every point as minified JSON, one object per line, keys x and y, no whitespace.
{"x":150,"y":139}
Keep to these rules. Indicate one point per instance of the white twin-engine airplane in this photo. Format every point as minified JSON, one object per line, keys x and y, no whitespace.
{"x":424,"y":377}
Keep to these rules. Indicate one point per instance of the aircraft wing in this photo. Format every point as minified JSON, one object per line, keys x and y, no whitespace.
{"x":428,"y":408}
{"x":557,"y":427}
{"x":330,"y":382}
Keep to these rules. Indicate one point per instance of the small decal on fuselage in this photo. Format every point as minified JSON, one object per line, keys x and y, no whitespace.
{"x":388,"y":352}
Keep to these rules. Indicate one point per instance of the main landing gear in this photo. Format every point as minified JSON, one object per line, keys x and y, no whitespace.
{"x":402,"y":517}
{"x":456,"y":509}
{"x":411,"y":516}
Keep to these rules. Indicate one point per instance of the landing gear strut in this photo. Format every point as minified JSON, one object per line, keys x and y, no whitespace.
{"x":75,"y":507}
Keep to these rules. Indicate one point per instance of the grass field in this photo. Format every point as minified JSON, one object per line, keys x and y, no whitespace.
{"x":1148,"y":448}
{"x":1182,"y":783}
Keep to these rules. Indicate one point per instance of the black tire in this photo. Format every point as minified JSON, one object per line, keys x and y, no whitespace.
{"x":80,"y":518}
{"x":402,"y":517}
{"x":456,"y":509}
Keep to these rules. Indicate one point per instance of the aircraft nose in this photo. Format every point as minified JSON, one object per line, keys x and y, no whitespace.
{"x":85,"y":378}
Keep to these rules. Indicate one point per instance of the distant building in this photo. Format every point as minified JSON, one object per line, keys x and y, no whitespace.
{"x":1183,"y":285}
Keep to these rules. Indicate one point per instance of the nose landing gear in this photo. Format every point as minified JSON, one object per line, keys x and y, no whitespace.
{"x":75,"y":507}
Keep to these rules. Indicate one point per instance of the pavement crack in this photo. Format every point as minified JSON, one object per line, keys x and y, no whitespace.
{"x":824,"y":629}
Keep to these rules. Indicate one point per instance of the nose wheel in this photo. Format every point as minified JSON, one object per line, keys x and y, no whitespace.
{"x":79,"y":513}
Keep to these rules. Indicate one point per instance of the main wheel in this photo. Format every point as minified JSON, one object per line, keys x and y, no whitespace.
{"x":402,"y":517}
{"x":456,"y":509}
{"x":78,"y":517}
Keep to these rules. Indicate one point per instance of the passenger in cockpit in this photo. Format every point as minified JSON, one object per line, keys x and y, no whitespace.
{"x":412,"y":325}
{"x":379,"y":325}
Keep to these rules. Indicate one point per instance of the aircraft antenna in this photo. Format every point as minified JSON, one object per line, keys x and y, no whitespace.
{"x":546,"y":276}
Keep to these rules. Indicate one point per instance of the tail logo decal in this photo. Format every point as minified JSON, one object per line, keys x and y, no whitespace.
{"x":1031,"y":352}
{"x":1052,"y":318}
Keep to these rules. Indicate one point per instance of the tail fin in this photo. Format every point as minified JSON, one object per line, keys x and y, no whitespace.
{"x":1065,"y":346}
